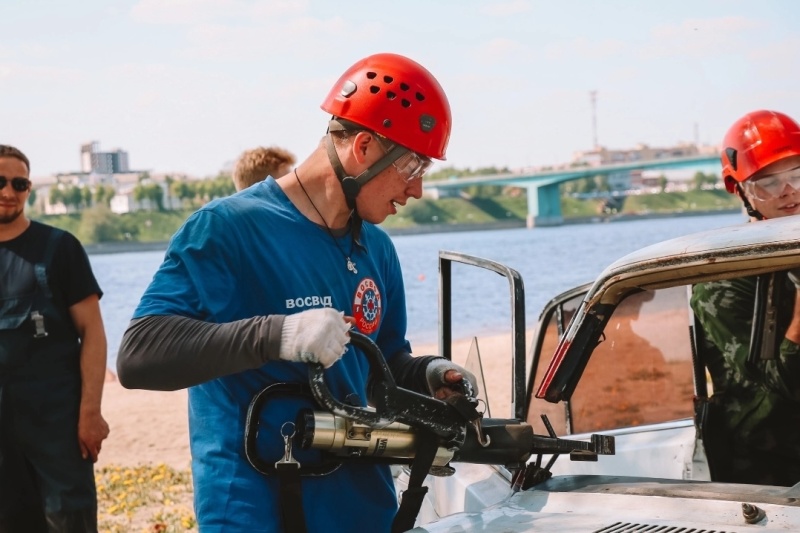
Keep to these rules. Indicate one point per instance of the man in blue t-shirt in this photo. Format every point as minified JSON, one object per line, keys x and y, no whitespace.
{"x":256,"y":285}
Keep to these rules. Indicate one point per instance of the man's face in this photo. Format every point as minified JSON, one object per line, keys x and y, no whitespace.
{"x":394,"y":186}
{"x":12,"y":202}
{"x":380,"y":196}
{"x":775,"y":190}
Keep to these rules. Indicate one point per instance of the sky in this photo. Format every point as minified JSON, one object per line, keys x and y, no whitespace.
{"x":184,"y":86}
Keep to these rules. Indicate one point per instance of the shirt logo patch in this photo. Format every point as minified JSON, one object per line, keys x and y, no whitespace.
{"x":367,"y":306}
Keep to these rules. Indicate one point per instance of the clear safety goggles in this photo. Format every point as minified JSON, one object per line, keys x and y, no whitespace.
{"x":410,"y":165}
{"x":772,"y":186}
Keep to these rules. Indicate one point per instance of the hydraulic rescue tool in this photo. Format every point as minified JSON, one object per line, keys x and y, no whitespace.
{"x":405,"y":427}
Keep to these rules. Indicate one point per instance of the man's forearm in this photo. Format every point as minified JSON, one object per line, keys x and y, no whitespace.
{"x":174,"y":352}
{"x":93,"y":368}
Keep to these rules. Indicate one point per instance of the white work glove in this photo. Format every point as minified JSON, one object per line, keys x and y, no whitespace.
{"x":435,"y":375}
{"x":314,"y":336}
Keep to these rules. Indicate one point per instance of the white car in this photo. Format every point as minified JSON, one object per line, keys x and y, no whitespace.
{"x":614,"y":358}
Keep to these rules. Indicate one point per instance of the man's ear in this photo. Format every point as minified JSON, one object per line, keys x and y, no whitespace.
{"x":362,"y":143}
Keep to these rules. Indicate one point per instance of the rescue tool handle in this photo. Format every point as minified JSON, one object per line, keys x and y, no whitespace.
{"x":251,"y":429}
{"x":321,"y":392}
{"x":392,"y":403}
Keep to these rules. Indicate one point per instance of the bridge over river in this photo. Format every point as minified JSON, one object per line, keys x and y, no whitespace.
{"x":544,"y":198}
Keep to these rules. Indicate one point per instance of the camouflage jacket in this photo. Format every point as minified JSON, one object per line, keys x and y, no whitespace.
{"x":761,"y":402}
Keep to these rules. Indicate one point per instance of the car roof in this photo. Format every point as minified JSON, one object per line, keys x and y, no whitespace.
{"x":733,"y":251}
{"x":739,"y":250}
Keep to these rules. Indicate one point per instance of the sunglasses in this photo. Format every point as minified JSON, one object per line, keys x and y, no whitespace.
{"x":18,"y":184}
{"x":772,"y":187}
{"x":410,"y":165}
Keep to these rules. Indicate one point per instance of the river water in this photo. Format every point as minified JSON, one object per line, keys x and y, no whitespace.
{"x":550,"y":261}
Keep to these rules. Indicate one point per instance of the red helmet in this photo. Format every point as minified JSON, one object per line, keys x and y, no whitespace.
{"x":397,"y":98}
{"x":754,"y":141}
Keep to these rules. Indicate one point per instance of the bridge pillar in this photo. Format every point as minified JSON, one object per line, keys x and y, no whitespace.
{"x":544,"y":206}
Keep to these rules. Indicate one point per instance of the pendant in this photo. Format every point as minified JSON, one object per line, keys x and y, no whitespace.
{"x":351,"y":266}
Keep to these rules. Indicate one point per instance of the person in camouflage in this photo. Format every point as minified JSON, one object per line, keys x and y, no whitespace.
{"x":752,"y":434}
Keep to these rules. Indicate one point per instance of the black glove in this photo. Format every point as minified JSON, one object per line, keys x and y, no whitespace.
{"x":436,"y":370}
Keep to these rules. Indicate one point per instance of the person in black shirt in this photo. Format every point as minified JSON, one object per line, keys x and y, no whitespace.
{"x":52,"y":368}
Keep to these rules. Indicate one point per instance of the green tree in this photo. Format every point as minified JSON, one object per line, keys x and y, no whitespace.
{"x":99,"y":224}
{"x":662,"y":182}
{"x":169,"y":180}
{"x":56,"y":195}
{"x":442,"y":174}
{"x":222,"y":186}
{"x":700,"y":180}
{"x":184,"y":191}
{"x":603,"y":183}
{"x":86,"y":196}
{"x":152,"y":192}
{"x":139,"y":193}
{"x":155,"y":194}
{"x":586,"y":185}
{"x":73,"y":196}
{"x":103,"y":194}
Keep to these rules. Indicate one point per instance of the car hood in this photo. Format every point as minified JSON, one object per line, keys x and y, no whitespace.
{"x":616,"y":504}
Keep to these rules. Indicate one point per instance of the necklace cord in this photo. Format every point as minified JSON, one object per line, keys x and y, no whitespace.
{"x":351,"y":266}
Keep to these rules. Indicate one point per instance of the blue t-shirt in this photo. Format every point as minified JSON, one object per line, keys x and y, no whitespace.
{"x":255,"y":254}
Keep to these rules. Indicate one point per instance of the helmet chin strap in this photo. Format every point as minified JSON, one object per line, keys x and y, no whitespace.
{"x":351,"y":185}
{"x":751,"y":211}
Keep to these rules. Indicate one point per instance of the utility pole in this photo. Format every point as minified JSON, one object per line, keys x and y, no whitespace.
{"x":593,"y":98}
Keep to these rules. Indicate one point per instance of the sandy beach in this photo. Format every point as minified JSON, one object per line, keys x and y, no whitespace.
{"x":146,"y":427}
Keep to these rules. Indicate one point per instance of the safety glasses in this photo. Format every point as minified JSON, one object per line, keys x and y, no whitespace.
{"x":18,"y":184}
{"x":771,"y":187}
{"x":410,"y":165}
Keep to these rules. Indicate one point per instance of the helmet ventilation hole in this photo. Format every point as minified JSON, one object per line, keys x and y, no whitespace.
{"x":371,"y":75}
{"x":391,"y":95}
{"x":405,"y":103}
{"x":404,"y":86}
{"x":420,"y":97}
{"x":374,"y":89}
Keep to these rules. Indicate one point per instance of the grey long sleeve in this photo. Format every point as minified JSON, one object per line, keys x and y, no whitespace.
{"x":175,"y":352}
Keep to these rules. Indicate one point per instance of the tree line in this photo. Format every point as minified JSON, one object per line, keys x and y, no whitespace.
{"x":147,"y":192}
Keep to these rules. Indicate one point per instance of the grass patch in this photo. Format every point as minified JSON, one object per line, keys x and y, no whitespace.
{"x":572,"y":207}
{"x":146,"y":498}
{"x":681,"y":201}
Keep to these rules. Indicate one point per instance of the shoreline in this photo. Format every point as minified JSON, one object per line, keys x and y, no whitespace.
{"x":158,"y":246}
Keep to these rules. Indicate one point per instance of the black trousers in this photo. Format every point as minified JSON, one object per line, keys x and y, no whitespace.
{"x":45,"y":484}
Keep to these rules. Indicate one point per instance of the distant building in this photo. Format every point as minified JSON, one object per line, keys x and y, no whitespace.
{"x":57,"y":193}
{"x":642,"y":152}
{"x":93,"y":160}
